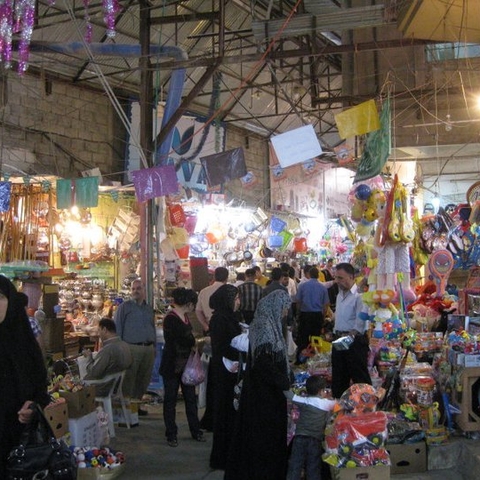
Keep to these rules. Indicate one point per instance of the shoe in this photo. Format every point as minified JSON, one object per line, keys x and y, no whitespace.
{"x":172,"y":442}
{"x":199,"y":437}
{"x":142,"y":413}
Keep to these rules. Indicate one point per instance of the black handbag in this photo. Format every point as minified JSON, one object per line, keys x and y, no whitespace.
{"x":40,"y":456}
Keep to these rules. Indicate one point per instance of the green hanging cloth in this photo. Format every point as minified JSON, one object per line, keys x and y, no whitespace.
{"x":377,"y":148}
{"x":82,"y":192}
{"x":86,"y":192}
{"x":64,"y":194}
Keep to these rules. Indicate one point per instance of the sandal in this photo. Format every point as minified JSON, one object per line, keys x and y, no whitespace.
{"x":172,"y":442}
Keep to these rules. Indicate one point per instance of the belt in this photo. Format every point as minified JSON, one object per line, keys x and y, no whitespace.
{"x":143,"y":344}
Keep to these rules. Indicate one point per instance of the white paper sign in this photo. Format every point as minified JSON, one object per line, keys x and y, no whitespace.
{"x":296,"y":146}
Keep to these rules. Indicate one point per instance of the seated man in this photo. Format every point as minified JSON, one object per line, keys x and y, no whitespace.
{"x":113,"y":357}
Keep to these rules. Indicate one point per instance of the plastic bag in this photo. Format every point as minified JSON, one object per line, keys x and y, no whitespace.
{"x":194,"y":373}
{"x":291,"y":345}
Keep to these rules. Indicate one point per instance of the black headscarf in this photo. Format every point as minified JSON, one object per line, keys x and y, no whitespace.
{"x":20,"y":349}
{"x":223,"y":299}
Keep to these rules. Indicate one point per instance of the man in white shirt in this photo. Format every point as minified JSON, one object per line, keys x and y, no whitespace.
{"x":352,"y":364}
{"x":203,"y":310}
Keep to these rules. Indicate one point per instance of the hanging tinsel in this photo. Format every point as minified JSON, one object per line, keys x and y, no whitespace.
{"x":17,"y":17}
{"x":88,"y":24}
{"x":110,"y":9}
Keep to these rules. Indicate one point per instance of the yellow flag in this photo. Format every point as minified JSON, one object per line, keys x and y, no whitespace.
{"x":358,"y":120}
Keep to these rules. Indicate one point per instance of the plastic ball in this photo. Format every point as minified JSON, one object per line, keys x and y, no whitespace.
{"x":80,"y":457}
{"x":356,"y":212}
{"x":370,"y":214}
{"x":81,"y":465}
{"x":363,"y":191}
{"x":94,"y":462}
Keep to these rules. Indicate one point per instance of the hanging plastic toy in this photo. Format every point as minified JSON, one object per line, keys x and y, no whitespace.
{"x":440,"y":265}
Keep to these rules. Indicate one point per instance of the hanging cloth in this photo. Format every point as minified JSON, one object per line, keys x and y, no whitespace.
{"x":81,"y":192}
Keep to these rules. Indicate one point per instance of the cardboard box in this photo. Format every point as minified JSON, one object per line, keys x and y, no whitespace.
{"x":57,"y":416}
{"x":380,"y":472}
{"x":85,"y":431}
{"x":408,"y":457}
{"x":80,"y":403}
{"x":472,"y":360}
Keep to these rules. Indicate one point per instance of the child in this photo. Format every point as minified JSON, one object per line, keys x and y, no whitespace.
{"x":315,"y":410}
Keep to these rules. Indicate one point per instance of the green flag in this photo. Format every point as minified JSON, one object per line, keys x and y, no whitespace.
{"x":377,"y":148}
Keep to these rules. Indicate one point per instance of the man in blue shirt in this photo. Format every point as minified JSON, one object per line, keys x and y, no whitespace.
{"x":312,"y":303}
{"x":135,"y":324}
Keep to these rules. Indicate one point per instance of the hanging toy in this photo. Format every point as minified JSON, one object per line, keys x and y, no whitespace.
{"x":440,"y":265}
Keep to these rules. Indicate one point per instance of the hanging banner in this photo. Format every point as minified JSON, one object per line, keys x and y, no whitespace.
{"x":296,"y":146}
{"x":155,"y":182}
{"x":358,"y":120}
{"x":81,"y":192}
{"x":192,"y":139}
{"x":5,"y":195}
{"x":224,"y":167}
{"x":377,"y":148}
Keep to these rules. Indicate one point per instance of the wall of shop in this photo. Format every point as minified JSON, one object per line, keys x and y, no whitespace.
{"x":48,"y":127}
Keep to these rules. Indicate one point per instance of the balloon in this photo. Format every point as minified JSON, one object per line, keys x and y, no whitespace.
{"x":356,"y":212}
{"x":363,"y":191}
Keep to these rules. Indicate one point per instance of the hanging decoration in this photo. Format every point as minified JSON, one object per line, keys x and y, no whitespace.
{"x":155,"y":182}
{"x":46,"y":185}
{"x":5,"y":194}
{"x":17,"y":17}
{"x":80,"y":192}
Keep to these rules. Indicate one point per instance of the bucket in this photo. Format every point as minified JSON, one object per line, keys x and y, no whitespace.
{"x":177,"y":215}
{"x":300,"y":244}
{"x":275,"y":241}
{"x":183,"y":251}
{"x":277,"y":225}
{"x":425,"y":387}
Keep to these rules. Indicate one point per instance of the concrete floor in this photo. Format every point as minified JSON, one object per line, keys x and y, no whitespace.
{"x":148,"y":457}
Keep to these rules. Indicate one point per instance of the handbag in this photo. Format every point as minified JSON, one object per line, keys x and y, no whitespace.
{"x":40,"y":456}
{"x":194,"y":373}
{"x":237,"y":388}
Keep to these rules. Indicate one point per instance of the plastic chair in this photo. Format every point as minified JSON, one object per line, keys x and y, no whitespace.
{"x":115,"y":393}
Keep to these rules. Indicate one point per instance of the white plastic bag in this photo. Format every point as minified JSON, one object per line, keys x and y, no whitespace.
{"x":194,"y":373}
{"x":291,"y":345}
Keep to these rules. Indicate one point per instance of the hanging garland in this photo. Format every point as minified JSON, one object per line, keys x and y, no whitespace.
{"x":18,"y":17}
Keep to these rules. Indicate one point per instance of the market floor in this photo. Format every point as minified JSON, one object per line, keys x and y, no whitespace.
{"x":148,"y":457}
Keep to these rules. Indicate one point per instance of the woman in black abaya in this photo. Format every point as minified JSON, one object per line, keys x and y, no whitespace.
{"x":224,"y":326}
{"x":23,"y":377}
{"x":258,"y":450}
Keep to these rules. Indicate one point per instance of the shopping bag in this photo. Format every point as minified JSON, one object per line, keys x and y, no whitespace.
{"x":291,"y":345}
{"x":40,"y":455}
{"x":194,"y":373}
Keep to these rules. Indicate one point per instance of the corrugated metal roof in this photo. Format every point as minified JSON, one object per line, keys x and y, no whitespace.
{"x":257,"y":91}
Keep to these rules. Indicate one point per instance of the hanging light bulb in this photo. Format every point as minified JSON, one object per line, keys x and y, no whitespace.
{"x":436,"y":202}
{"x":448,"y":124}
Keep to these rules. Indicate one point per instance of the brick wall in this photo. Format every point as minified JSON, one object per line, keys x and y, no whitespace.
{"x":53,"y":128}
